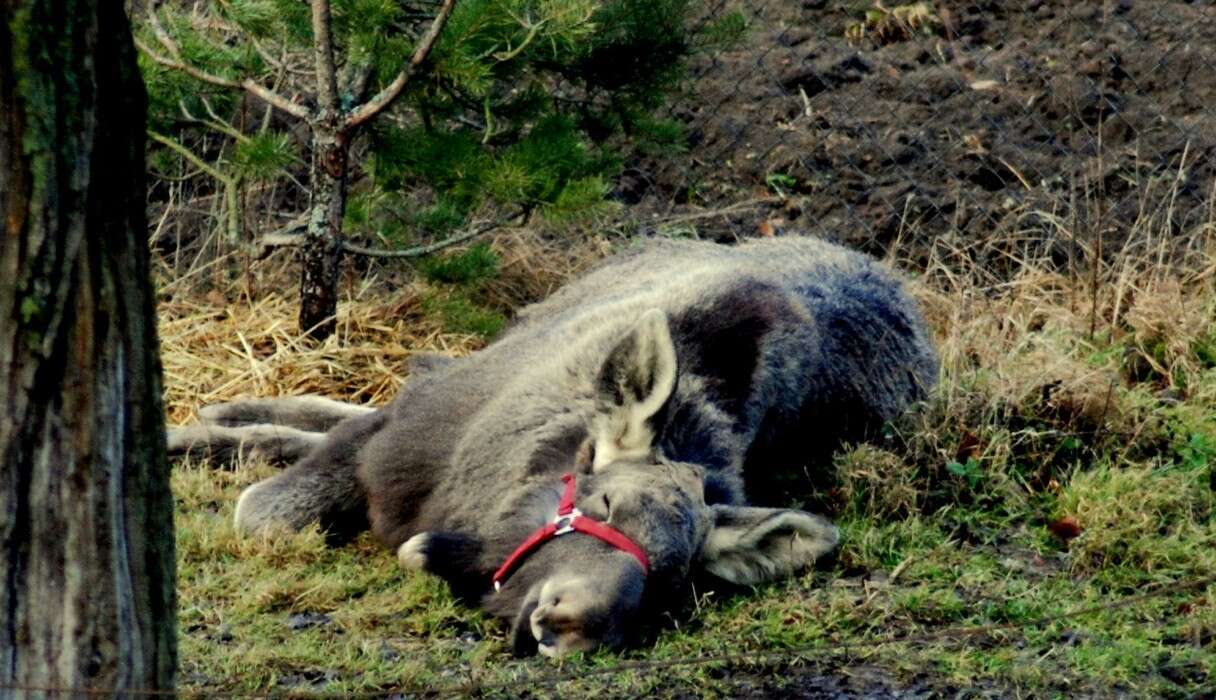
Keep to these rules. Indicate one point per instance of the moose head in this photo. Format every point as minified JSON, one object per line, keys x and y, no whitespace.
{"x":575,"y":591}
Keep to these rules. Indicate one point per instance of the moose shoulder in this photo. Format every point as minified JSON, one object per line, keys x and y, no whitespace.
{"x":677,"y":384}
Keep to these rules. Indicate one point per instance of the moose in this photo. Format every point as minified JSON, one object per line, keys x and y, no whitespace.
{"x":631,"y":430}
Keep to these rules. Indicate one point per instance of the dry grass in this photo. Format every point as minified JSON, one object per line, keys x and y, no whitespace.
{"x":532,"y":265}
{"x":1081,"y":393}
{"x":215,"y":353}
{"x":219,"y":341}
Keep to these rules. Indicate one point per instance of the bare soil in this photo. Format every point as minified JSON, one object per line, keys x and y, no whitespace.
{"x":1001,"y":109}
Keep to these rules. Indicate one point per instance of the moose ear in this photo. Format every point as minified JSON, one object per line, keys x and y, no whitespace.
{"x":753,"y":545}
{"x":632,"y":389}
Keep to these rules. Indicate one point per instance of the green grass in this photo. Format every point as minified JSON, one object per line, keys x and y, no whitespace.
{"x":1043,"y":527}
{"x":930,"y":576}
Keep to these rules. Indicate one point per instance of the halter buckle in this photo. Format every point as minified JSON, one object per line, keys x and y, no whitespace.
{"x":565,"y":522}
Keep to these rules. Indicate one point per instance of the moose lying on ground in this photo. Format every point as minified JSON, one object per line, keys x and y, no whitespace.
{"x":643,"y":407}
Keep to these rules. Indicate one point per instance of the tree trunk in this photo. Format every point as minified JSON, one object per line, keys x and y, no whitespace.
{"x":322,"y":248}
{"x":86,"y":521}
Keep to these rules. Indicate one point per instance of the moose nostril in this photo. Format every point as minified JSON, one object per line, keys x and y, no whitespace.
{"x":544,"y":637}
{"x":546,"y":649}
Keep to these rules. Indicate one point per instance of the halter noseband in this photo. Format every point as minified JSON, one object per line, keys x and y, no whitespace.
{"x":569,"y":519}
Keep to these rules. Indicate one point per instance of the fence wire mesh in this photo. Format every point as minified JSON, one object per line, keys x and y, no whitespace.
{"x":1037,"y":123}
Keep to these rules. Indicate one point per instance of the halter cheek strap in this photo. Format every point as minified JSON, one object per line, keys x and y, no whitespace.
{"x":569,"y":519}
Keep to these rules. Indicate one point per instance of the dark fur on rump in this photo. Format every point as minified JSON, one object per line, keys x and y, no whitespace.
{"x":684,"y":380}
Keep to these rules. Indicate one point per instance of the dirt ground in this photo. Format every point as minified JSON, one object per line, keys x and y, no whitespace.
{"x":994,"y":111}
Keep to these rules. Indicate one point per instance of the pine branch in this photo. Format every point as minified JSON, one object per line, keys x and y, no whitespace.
{"x":390,"y":93}
{"x":284,"y":237}
{"x":174,"y":60}
{"x":422,"y":250}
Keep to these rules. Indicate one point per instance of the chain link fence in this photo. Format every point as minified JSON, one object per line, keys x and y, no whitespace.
{"x":1071,"y":128}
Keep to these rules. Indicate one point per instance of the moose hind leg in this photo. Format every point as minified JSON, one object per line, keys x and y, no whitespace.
{"x":321,"y":488}
{"x":310,"y":413}
{"x":224,"y":445}
{"x":297,"y":498}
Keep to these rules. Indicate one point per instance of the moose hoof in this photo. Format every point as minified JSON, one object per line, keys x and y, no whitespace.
{"x":412,"y":553}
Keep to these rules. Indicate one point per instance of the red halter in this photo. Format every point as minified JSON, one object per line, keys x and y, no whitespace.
{"x":569,"y":519}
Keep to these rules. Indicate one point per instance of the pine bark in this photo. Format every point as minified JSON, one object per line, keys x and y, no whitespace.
{"x":322,"y":249}
{"x":86,"y":529}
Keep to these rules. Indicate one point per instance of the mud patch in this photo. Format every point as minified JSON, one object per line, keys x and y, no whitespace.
{"x":1005,"y":112}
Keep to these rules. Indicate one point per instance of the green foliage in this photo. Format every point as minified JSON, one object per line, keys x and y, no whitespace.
{"x":580,"y":201}
{"x":521,"y":104}
{"x":442,"y":216}
{"x":660,"y":137}
{"x":457,"y":302}
{"x":780,"y":182}
{"x":257,"y":17}
{"x":1155,"y":522}
{"x":1198,"y":452}
{"x":970,"y":471}
{"x":460,"y":314}
{"x":725,"y":30}
{"x":473,"y":265}
{"x":1205,"y":348}
{"x":264,"y":155}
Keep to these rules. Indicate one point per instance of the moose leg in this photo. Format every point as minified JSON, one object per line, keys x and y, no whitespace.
{"x":224,"y":445}
{"x":311,"y":413}
{"x":453,"y":556}
{"x":320,"y":488}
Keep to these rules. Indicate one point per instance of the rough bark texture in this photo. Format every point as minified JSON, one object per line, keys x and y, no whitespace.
{"x":86,"y":571}
{"x":322,"y":250}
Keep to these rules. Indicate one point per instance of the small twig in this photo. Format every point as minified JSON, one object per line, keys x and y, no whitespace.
{"x":899,"y":569}
{"x":386,"y":96}
{"x":190,"y":156}
{"x":231,"y":183}
{"x":731,"y":209}
{"x":278,"y":63}
{"x":218,"y":123}
{"x":1017,"y":173}
{"x":533,"y":30}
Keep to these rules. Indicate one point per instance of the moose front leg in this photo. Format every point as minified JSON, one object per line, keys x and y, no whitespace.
{"x":452,"y":556}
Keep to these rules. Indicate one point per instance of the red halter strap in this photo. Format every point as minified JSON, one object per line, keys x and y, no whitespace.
{"x":569,"y":519}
